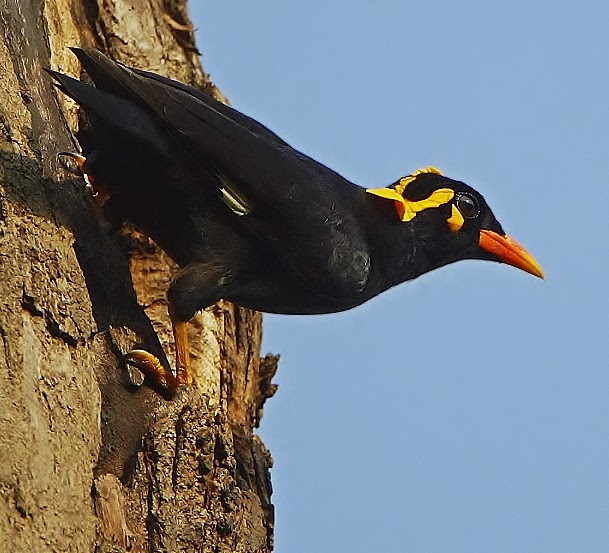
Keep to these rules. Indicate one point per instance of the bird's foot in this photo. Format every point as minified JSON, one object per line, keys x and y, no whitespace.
{"x":161,"y":377}
{"x":101,"y":193}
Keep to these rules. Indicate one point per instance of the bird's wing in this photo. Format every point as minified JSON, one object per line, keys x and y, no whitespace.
{"x":249,"y":123}
{"x":262,"y":165}
{"x":296,"y":201}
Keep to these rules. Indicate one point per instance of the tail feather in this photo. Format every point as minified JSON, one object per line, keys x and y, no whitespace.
{"x":112,"y":111}
{"x":107,"y":74}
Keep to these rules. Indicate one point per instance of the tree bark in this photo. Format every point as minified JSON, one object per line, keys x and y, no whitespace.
{"x":87,"y":462}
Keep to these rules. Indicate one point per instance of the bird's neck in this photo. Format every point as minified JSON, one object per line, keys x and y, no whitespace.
{"x":400,"y":250}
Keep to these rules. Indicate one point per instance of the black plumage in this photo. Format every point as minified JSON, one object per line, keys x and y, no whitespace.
{"x":254,"y":221}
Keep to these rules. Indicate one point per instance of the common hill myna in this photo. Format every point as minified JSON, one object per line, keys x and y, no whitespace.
{"x":252,"y":220}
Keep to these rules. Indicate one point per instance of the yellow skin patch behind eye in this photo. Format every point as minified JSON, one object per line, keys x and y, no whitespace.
{"x":455,"y":221}
{"x":407,"y":209}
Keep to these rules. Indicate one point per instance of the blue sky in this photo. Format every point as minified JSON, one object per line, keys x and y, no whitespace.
{"x":466,"y":411}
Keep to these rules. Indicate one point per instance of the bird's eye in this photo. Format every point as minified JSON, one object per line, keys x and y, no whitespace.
{"x":468,"y":206}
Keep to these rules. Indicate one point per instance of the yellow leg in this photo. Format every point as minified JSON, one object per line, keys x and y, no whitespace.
{"x":180,"y":339}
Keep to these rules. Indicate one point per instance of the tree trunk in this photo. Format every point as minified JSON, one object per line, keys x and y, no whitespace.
{"x":86,"y":462}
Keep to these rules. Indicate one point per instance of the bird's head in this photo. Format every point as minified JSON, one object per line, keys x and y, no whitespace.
{"x":452,"y":221}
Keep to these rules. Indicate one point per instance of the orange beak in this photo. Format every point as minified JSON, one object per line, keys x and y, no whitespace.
{"x":509,"y":251}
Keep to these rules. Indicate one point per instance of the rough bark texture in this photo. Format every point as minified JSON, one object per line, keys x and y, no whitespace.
{"x":87,"y":464}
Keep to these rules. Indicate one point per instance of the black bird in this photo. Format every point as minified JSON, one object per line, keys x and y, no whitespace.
{"x":254,"y":221}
